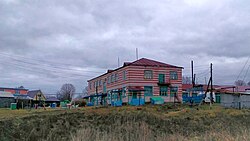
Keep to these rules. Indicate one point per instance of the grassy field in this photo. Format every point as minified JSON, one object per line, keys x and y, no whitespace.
{"x":166,"y":122}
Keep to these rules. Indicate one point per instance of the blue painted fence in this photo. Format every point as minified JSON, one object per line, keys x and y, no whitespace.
{"x":194,"y":99}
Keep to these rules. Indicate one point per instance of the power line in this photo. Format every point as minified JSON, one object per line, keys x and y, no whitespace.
{"x":242,"y":69}
{"x":246,"y":73}
{"x":44,"y":71}
{"x":31,"y":61}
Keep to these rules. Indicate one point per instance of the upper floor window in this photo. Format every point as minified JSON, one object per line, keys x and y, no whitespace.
{"x":112,"y":78}
{"x":161,"y":78}
{"x":116,"y":77}
{"x":94,"y":84}
{"x":148,"y":74}
{"x":100,"y":82}
{"x":17,"y":91}
{"x":90,"y":85}
{"x":173,"y":75}
{"x":124,"y":74}
{"x":109,"y":80}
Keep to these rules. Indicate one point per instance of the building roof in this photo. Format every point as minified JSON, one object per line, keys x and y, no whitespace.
{"x":22,"y":97}
{"x":13,"y":88}
{"x":141,"y":62}
{"x":186,"y":87}
{"x":240,"y":89}
{"x":52,"y":99}
{"x":6,"y":94}
{"x":33,"y":93}
{"x":149,"y":62}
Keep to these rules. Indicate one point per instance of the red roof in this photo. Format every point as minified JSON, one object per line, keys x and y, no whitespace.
{"x":234,"y":89}
{"x":148,"y":62}
{"x":140,"y":62}
{"x":189,"y":86}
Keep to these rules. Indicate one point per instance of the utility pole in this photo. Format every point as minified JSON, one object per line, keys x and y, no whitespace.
{"x":118,"y":62}
{"x":192,"y":69}
{"x":195,"y":81}
{"x":211,"y":73}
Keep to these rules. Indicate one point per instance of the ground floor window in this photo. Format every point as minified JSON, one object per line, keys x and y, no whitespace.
{"x":124,"y":91}
{"x":164,"y":91}
{"x":173,"y":91}
{"x":148,"y":90}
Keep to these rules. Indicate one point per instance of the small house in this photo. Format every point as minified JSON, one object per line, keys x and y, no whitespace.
{"x":6,"y":98}
{"x":52,"y":99}
{"x":37,"y":97}
{"x":235,"y":100}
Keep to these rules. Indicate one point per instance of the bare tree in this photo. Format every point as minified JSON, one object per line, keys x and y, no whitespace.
{"x":67,"y":91}
{"x":85,"y":91}
{"x":186,"y":80}
{"x":240,"y":83}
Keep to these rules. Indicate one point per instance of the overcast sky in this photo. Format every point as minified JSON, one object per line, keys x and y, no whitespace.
{"x":44,"y":43}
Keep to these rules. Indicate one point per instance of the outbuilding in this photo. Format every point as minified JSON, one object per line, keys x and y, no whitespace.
{"x":6,"y":98}
{"x":235,"y":100}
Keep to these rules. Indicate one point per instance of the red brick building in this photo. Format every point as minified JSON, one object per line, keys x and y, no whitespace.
{"x":153,"y":77}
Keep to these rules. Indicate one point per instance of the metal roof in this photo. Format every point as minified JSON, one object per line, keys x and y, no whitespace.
{"x":149,"y":62}
{"x":22,"y":96}
{"x":33,"y":93}
{"x":52,"y":99}
{"x":14,"y":88}
{"x":6,"y":94}
{"x":140,"y":62}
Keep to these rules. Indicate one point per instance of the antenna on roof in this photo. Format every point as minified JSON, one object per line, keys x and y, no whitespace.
{"x":118,"y":62}
{"x":136,"y":53}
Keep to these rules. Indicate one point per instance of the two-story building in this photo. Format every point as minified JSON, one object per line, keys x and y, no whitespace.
{"x":152,"y":77}
{"x":19,"y":90}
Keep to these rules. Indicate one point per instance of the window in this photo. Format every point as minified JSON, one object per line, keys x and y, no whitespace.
{"x":161,"y":78}
{"x":100,"y":82}
{"x":124,"y":75}
{"x":173,"y":75}
{"x":90,"y":85}
{"x":173,"y":91}
{"x":95,"y":85}
{"x":164,"y":91}
{"x":148,"y":90}
{"x":109,"y":80}
{"x":116,"y":77}
{"x":148,"y":74}
{"x":112,"y":78}
{"x":124,"y":91}
{"x":104,"y":87}
{"x":17,"y":91}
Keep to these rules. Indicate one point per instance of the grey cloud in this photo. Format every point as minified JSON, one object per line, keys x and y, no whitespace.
{"x":91,"y":35}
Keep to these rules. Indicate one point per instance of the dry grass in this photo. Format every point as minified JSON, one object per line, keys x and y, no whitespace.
{"x":8,"y":114}
{"x":166,"y":122}
{"x":142,"y":132}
